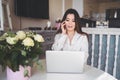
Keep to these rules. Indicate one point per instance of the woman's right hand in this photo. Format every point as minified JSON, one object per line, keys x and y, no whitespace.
{"x":63,"y":27}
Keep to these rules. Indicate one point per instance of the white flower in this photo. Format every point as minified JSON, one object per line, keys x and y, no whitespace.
{"x":38,"y":38}
{"x":11,"y":40}
{"x":3,"y":37}
{"x":5,"y":34}
{"x":20,"y":35}
{"x":28,"y":42}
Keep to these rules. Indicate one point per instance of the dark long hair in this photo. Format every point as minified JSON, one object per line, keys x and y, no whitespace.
{"x":77,"y":20}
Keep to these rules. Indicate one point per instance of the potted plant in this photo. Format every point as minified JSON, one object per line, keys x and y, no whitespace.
{"x":19,"y":49}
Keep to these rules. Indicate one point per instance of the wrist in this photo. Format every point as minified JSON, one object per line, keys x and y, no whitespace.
{"x":64,"y":33}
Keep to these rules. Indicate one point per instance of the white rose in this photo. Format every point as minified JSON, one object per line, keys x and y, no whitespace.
{"x":28,"y":42}
{"x":20,"y":35}
{"x":11,"y":40}
{"x":5,"y":34}
{"x":38,"y":38}
{"x":3,"y":37}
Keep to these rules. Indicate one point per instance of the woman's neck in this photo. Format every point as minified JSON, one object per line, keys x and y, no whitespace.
{"x":70,"y":35}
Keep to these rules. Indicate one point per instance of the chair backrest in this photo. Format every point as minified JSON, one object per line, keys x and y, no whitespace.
{"x":104,"y":49}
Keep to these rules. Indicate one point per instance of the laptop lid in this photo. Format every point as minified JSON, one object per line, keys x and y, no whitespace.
{"x":65,"y":61}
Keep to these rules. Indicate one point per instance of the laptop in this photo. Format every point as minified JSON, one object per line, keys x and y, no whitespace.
{"x":65,"y":61}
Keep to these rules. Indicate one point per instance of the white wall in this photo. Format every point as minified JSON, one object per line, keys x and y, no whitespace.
{"x":68,"y":4}
{"x":1,"y":16}
{"x":78,"y":5}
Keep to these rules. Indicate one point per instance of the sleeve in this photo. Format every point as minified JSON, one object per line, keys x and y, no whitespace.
{"x":59,"y":42}
{"x":85,"y":47}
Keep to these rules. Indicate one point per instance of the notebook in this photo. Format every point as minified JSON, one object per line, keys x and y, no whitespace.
{"x":65,"y":61}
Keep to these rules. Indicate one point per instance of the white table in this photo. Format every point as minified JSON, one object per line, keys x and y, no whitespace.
{"x":90,"y":73}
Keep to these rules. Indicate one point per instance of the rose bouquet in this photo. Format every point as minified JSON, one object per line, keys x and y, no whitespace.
{"x":19,"y":48}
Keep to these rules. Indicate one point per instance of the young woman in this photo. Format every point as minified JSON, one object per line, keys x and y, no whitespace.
{"x":70,"y":36}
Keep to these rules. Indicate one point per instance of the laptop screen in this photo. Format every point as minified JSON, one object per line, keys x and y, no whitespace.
{"x":65,"y":61}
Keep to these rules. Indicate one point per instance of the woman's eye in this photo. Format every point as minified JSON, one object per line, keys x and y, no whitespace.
{"x":66,"y":20}
{"x":73,"y":21}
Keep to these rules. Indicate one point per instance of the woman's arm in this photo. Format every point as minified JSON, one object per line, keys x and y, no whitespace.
{"x":85,"y":47}
{"x":59,"y":42}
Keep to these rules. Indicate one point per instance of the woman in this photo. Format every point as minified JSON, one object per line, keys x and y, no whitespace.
{"x":70,"y":36}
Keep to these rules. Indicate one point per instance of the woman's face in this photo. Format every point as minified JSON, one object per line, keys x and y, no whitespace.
{"x":70,"y":22}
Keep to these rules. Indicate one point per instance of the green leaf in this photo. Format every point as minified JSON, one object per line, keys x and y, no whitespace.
{"x":26,"y":72}
{"x":23,"y":53}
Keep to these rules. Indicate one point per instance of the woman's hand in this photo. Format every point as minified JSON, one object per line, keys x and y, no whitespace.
{"x":63,"y":27}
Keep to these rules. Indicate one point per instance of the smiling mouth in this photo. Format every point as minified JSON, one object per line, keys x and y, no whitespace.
{"x":69,"y":26}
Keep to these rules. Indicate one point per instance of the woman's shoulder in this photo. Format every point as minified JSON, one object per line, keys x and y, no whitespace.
{"x":60,"y":35}
{"x":83,"y":35}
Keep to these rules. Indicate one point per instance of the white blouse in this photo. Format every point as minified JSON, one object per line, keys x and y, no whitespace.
{"x":78,"y":43}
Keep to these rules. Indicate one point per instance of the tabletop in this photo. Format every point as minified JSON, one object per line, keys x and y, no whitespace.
{"x":90,"y":73}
